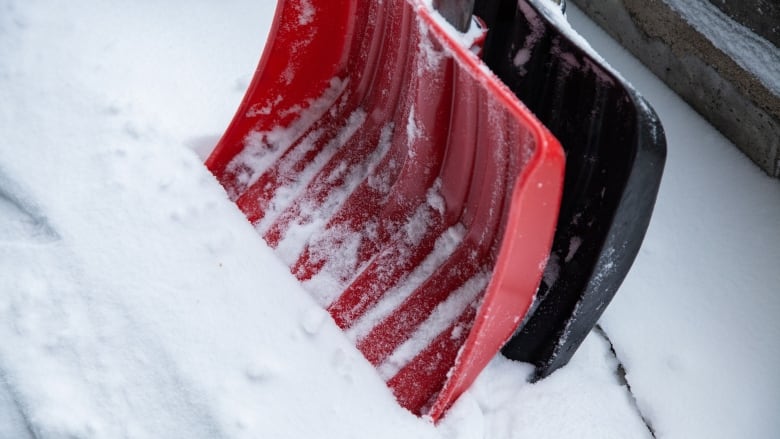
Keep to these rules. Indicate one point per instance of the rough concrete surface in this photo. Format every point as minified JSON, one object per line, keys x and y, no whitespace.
{"x":733,"y":99}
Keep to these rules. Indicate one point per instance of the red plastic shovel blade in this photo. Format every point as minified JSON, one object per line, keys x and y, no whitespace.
{"x":405,"y":186}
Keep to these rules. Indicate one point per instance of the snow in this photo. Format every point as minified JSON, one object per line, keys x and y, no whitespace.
{"x":695,"y":323}
{"x":438,"y":321}
{"x":263,"y":148}
{"x":580,"y":400}
{"x":445,"y":245}
{"x":136,"y":301}
{"x":537,"y":28}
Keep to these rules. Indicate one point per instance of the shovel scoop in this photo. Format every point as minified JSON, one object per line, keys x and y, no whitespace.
{"x":615,"y":154}
{"x":405,"y":186}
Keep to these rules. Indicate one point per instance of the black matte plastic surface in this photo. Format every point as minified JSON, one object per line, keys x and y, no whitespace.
{"x":615,"y":149}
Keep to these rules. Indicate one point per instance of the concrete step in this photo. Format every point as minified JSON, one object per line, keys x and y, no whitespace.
{"x":721,"y":57}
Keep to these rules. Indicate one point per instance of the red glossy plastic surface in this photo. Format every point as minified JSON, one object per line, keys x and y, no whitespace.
{"x":405,"y":186}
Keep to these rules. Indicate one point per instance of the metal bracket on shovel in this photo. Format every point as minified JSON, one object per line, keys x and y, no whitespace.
{"x":405,"y":186}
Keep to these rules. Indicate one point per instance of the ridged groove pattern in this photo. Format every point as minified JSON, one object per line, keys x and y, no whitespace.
{"x":386,"y":180}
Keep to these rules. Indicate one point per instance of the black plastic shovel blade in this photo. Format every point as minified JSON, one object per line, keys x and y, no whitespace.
{"x":615,"y":148}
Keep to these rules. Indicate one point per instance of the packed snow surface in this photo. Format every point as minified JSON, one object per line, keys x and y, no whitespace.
{"x":137,"y":302}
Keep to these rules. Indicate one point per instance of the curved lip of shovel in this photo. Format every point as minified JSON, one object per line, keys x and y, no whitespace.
{"x":498,"y":314}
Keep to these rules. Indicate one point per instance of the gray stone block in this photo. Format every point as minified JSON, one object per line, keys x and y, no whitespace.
{"x":731,"y":97}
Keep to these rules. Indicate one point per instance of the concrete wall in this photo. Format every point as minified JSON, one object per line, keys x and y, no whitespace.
{"x":727,"y":95}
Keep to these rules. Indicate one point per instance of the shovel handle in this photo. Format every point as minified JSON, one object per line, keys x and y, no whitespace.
{"x":457,"y":12}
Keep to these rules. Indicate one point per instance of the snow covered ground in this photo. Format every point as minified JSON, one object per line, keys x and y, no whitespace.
{"x":136,"y":301}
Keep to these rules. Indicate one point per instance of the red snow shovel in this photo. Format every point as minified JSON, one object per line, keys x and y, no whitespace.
{"x":405,"y":186}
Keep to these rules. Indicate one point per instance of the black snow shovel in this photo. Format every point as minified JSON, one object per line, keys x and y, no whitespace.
{"x":615,"y":153}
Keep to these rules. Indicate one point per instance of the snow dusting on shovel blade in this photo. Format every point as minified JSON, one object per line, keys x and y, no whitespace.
{"x":405,"y":187}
